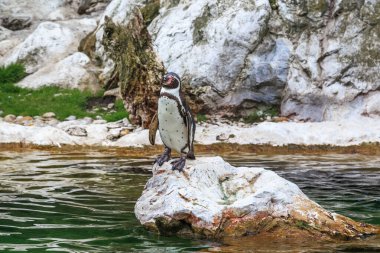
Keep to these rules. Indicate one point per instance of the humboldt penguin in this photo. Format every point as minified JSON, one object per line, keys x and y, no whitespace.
{"x":174,"y":122}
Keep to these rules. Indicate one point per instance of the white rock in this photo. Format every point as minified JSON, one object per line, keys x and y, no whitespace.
{"x":39,"y":9}
{"x":71,"y":118}
{"x":335,"y":133}
{"x":99,"y":121}
{"x":211,"y":43}
{"x":334,"y":68}
{"x":49,"y":43}
{"x":13,"y":133}
{"x":70,"y":72}
{"x":213,"y":199}
{"x":10,"y":118}
{"x":49,"y":115}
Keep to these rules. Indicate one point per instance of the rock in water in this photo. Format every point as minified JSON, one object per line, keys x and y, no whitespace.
{"x":213,"y":199}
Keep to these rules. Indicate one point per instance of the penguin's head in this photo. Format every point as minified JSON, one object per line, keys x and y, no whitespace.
{"x":171,"y":81}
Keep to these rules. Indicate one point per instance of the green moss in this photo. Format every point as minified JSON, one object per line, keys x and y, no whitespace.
{"x":273,"y":4}
{"x":137,"y":71}
{"x":150,"y":11}
{"x":120,"y":113}
{"x":12,"y":73}
{"x":199,"y":24}
{"x":261,"y":114}
{"x":318,"y":6}
{"x":87,"y":46}
{"x":302,"y":225}
{"x":173,"y":3}
{"x":201,"y":118}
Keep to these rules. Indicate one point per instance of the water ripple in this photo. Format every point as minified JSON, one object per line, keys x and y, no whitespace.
{"x":76,"y":202}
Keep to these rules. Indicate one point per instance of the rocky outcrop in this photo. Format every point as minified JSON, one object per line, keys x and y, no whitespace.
{"x":213,"y":199}
{"x":71,"y":72}
{"x":309,"y":60}
{"x":334,"y":70}
{"x":49,"y":43}
{"x":45,"y":36}
{"x":219,"y":47}
{"x":317,"y":59}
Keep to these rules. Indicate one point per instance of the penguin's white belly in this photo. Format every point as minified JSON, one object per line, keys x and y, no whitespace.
{"x":173,"y":130}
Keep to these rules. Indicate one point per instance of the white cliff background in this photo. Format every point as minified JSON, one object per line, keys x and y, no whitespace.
{"x":316,"y":60}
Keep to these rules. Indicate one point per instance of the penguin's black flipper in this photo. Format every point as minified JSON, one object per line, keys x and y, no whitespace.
{"x":190,"y":124}
{"x":153,"y":129}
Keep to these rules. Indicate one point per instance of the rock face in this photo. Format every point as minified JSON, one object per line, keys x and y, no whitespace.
{"x":213,"y":199}
{"x":219,"y":46}
{"x":311,"y":60}
{"x":335,"y":67}
{"x":70,"y":72}
{"x":49,"y":43}
{"x":318,"y":59}
{"x":44,"y":36}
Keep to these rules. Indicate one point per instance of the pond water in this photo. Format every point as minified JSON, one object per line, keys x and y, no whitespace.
{"x":76,"y":202}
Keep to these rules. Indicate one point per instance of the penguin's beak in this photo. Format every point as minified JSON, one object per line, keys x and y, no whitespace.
{"x":168,"y":80}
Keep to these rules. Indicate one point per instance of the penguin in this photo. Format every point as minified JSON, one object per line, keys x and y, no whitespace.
{"x":174,"y":122}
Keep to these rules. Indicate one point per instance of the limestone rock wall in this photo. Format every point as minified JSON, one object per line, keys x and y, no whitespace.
{"x":45,"y":35}
{"x":311,"y":60}
{"x":318,"y":59}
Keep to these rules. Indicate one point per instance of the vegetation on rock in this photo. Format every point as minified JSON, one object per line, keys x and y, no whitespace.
{"x":63,"y":102}
{"x":261,"y":114}
{"x":12,"y":73}
{"x":150,"y":11}
{"x":138,"y":73}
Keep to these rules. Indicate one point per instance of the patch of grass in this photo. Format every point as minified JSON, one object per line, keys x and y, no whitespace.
{"x":302,"y":224}
{"x":120,"y":113}
{"x":201,"y":118}
{"x":261,"y":114}
{"x":63,"y":102}
{"x":12,"y":73}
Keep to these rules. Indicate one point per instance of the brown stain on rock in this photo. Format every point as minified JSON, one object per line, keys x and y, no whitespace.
{"x":219,"y":149}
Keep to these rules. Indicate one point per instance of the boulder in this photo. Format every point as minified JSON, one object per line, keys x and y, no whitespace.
{"x":222,"y":49}
{"x":49,"y":42}
{"x":37,"y":9}
{"x":335,"y":69}
{"x":317,"y":59}
{"x":10,"y":118}
{"x":48,"y":115}
{"x":213,"y":199}
{"x":71,"y":72}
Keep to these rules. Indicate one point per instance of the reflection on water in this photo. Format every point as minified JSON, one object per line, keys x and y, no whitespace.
{"x":84,"y":202}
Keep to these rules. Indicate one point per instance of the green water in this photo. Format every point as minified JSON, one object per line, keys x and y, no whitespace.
{"x":75,"y":202}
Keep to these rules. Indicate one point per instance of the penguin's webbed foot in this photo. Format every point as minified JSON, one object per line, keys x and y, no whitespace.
{"x":179,"y":164}
{"x":164,"y":157}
